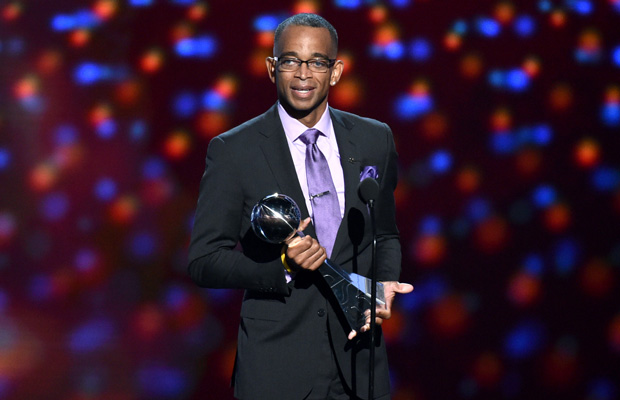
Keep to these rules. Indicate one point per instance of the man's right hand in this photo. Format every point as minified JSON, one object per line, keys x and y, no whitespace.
{"x":304,"y":252}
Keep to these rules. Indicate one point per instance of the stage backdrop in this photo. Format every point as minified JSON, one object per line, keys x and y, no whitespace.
{"x":506,"y":116}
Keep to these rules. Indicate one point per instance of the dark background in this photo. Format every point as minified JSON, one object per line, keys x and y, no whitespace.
{"x":506,"y":117}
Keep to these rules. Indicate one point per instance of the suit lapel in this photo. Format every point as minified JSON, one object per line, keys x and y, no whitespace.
{"x":349,"y":159}
{"x":278,"y":156}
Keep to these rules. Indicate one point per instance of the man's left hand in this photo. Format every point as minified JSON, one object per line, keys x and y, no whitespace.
{"x":390,"y":289}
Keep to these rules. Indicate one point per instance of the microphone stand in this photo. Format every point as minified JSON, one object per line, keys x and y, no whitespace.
{"x":373,"y":301}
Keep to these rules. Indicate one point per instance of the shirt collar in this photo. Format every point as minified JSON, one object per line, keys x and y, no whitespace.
{"x":293,"y":128}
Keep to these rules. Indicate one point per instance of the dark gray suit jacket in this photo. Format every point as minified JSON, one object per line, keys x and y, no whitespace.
{"x":282,"y":325}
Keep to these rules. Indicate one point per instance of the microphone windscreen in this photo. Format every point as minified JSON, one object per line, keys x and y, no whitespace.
{"x":368,"y":190}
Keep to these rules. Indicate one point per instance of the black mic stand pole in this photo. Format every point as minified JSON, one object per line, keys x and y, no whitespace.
{"x":373,"y":301}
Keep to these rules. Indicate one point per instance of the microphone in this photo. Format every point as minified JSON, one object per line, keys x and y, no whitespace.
{"x":368,"y":190}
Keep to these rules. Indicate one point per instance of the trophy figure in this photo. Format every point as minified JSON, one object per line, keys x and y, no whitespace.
{"x":276,"y":219}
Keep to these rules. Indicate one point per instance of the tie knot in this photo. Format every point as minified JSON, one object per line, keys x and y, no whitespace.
{"x":310,"y":136}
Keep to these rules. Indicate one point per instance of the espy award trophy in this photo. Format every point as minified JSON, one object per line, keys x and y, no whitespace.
{"x":276,"y":219}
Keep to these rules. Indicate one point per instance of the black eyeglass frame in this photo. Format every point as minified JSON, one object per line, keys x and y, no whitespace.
{"x":330,"y":63}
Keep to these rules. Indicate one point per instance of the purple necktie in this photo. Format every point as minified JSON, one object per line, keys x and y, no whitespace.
{"x":322,"y":192}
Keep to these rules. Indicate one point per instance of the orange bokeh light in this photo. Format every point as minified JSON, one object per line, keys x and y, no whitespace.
{"x":434,"y":125}
{"x":491,"y":235}
{"x":49,"y":62}
{"x":386,"y":34}
{"x":528,"y":161}
{"x":306,"y":6}
{"x":468,"y":180}
{"x":557,"y":217}
{"x":127,"y":93}
{"x":429,"y":250}
{"x":561,"y":97}
{"x":347,"y":94}
{"x":487,"y":369}
{"x":265,"y":39}
{"x":452,"y":41}
{"x":26,"y":87}
{"x":152,"y":60}
{"x":587,"y":153}
{"x":378,"y":14}
{"x":79,"y":37}
{"x":43,"y":177}
{"x":105,"y":9}
{"x":597,"y":278}
{"x":124,"y":209}
{"x":211,"y":123}
{"x":557,"y":19}
{"x":177,"y":145}
{"x":504,"y":12}
{"x":197,"y":11}
{"x":471,"y":66}
{"x":524,"y":289}
{"x":99,"y":114}
{"x":449,"y":316}
{"x":501,"y":120}
{"x":11,"y":11}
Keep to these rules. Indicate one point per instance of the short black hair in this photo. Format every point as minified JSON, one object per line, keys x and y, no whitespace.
{"x":305,"y":19}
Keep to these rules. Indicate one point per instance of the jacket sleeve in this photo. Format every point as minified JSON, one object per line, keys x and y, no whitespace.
{"x":214,"y":260}
{"x":388,"y":239}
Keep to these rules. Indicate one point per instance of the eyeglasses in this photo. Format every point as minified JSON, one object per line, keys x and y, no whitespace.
{"x":290,"y":64}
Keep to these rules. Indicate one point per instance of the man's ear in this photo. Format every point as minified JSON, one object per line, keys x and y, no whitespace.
{"x":271,"y":68}
{"x":336,"y":72}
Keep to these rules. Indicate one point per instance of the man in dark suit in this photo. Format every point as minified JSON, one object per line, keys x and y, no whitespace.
{"x":292,"y":342}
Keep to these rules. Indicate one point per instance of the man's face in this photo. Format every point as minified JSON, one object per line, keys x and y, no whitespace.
{"x":303,"y":93}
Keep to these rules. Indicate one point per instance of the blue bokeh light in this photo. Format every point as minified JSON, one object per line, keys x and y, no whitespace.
{"x":185,"y":105}
{"x":66,"y":134}
{"x":140,"y":3}
{"x":606,"y":179}
{"x":153,"y":168}
{"x":266,"y":23}
{"x":478,"y":209}
{"x":488,"y":27}
{"x":212,"y":100}
{"x":610,"y":114}
{"x":534,"y":264}
{"x":544,"y":196}
{"x":106,"y":129}
{"x":394,"y":50}
{"x":441,"y":161}
{"x":83,"y":19}
{"x":566,"y":254}
{"x":602,"y":389}
{"x":420,"y":49}
{"x":40,"y":287}
{"x":162,"y":382}
{"x":410,"y":107}
{"x":524,"y":341}
{"x":430,"y":225}
{"x":106,"y":189}
{"x":582,"y":7}
{"x":199,"y":47}
{"x":5,"y":158}
{"x":349,"y":4}
{"x":143,"y":245}
{"x":524,"y":25}
{"x":91,"y":336}
{"x":54,"y":206}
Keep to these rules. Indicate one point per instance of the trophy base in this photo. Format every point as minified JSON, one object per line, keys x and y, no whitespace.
{"x":353,"y":293}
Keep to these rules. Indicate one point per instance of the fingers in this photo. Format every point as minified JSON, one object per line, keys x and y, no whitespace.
{"x":306,"y":253}
{"x":403,"y":288}
{"x":304,"y":224}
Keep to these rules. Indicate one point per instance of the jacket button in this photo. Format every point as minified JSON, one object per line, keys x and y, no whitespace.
{"x":321,"y":312}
